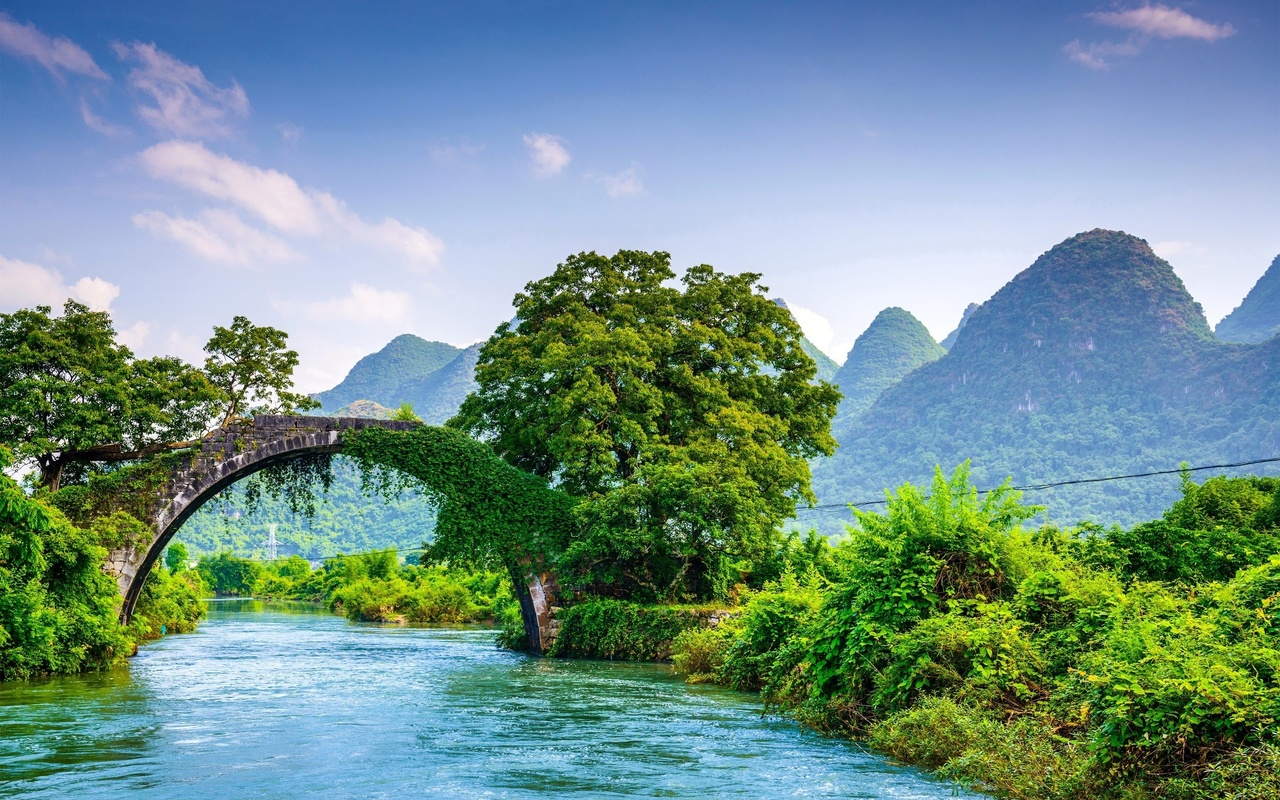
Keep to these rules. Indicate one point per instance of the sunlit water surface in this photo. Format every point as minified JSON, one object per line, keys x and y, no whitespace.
{"x":286,"y":701}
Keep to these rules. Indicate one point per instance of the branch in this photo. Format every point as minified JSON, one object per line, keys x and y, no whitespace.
{"x":116,"y":452}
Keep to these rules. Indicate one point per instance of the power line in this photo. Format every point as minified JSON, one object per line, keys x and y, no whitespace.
{"x":828,"y":508}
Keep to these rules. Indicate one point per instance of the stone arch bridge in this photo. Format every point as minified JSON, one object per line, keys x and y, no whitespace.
{"x":240,"y":449}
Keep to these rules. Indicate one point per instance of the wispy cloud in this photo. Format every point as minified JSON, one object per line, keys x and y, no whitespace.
{"x":218,"y":235}
{"x":59,"y":56}
{"x":816,"y":327}
{"x":548,"y":153}
{"x":1164,"y":23}
{"x":1147,"y":22}
{"x":186,"y":103}
{"x":620,"y":184}
{"x":277,"y":199}
{"x":23,"y":284}
{"x":363,"y":304}
{"x":98,"y":123}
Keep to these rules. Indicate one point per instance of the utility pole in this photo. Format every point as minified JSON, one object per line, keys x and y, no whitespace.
{"x":271,"y":543}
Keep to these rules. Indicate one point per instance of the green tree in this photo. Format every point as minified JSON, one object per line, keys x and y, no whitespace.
{"x":254,"y":371}
{"x":681,"y":417}
{"x":175,"y":557}
{"x":71,"y":395}
{"x":405,"y":413}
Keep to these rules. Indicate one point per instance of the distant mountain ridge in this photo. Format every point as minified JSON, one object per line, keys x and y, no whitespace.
{"x":1257,"y":318}
{"x":955,"y":334}
{"x":378,"y":376}
{"x":1093,"y":361}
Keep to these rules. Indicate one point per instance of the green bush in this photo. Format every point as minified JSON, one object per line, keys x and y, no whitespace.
{"x":625,"y":631}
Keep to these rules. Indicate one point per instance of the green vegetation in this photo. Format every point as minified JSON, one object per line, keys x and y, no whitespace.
{"x":624,"y":631}
{"x":347,"y":520}
{"x":59,"y":612}
{"x":254,"y":372}
{"x":370,"y":587}
{"x":891,"y":347}
{"x":71,"y":397}
{"x":1044,"y":663}
{"x":378,"y":377}
{"x":678,"y":419}
{"x":1257,"y":318}
{"x":1094,"y":361}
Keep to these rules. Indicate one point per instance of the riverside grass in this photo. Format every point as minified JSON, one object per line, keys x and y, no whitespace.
{"x":1043,"y":663}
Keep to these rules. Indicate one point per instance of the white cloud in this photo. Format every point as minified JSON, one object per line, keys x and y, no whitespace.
{"x":56,"y":55}
{"x":23,"y":284}
{"x":1171,"y":249}
{"x":547,"y":152}
{"x":815,"y":326}
{"x":186,"y":102}
{"x":418,"y":245}
{"x":1147,"y":22}
{"x":219,"y":235}
{"x":278,"y":200}
{"x":1164,"y":23}
{"x":97,"y":123}
{"x":134,"y":336}
{"x":363,"y":304}
{"x":622,"y":184}
{"x":271,"y":195}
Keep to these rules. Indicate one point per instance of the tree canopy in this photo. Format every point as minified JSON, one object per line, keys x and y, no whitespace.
{"x":680,"y":417}
{"x":69,"y":393}
{"x":254,"y":371}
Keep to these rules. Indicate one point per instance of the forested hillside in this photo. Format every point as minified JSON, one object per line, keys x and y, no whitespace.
{"x":378,"y":376}
{"x":891,"y":347}
{"x":1094,"y":361}
{"x":1257,"y":318}
{"x":346,"y":520}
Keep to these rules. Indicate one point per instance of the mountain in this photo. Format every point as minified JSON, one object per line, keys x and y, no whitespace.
{"x":964,"y":318}
{"x":827,"y":365}
{"x":377,"y":376}
{"x":436,"y":396}
{"x":1257,"y":318}
{"x":1094,"y":361}
{"x":893,"y":345}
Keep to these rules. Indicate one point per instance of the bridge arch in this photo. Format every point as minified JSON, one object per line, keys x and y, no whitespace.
{"x":488,"y":509}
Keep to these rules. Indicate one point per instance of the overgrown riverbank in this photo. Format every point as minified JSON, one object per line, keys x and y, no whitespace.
{"x":59,"y":612}
{"x":1037,"y":664}
{"x":370,"y":587}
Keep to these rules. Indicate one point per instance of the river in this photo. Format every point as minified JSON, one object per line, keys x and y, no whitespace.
{"x":288,"y":701}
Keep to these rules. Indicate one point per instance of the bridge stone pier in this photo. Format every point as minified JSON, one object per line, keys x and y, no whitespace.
{"x":242,"y":448}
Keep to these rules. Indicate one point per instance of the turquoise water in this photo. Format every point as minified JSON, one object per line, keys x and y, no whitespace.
{"x":286,"y":701}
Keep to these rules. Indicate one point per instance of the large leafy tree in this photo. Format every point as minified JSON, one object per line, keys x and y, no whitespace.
{"x":681,"y":417}
{"x":71,"y":395}
{"x":252,"y":367}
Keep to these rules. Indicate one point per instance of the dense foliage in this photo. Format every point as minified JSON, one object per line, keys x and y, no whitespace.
{"x":1094,"y":361}
{"x":1257,"y":318}
{"x":370,"y":587}
{"x":345,"y":519}
{"x":254,"y":372}
{"x":71,"y":395}
{"x":59,"y":612}
{"x":679,"y":418}
{"x":1043,"y":663}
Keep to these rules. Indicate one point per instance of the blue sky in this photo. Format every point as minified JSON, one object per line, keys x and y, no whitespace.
{"x":349,"y":172}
